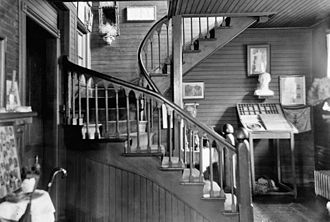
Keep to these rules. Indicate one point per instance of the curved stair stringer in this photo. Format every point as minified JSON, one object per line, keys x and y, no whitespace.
{"x":148,"y":167}
{"x":222,"y":37}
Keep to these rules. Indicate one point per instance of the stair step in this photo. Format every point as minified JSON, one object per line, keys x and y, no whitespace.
{"x":159,"y":74}
{"x":207,"y":39}
{"x":154,"y":151}
{"x":143,"y":153}
{"x":230,"y":213}
{"x":224,"y":27}
{"x":173,"y":166}
{"x":191,"y":51}
{"x":213,"y":198}
{"x":193,"y":179}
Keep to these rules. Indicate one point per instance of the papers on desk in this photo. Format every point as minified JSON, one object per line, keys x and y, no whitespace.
{"x":275,"y":122}
{"x":42,"y":208}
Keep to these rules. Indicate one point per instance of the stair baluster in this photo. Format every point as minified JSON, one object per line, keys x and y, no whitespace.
{"x":211,"y":170}
{"x":159,"y":51}
{"x":159,"y":108}
{"x":87,"y":108}
{"x":201,"y":146}
{"x":96,"y":134}
{"x":80,"y":118}
{"x":106,"y":102}
{"x":68,"y":99}
{"x":191,"y":34}
{"x":151,"y":54}
{"x":191,"y":154}
{"x":148,"y":115}
{"x":117,"y":112}
{"x":127,"y":149}
{"x":169,"y":136}
{"x":138,"y":148}
{"x":74,"y":120}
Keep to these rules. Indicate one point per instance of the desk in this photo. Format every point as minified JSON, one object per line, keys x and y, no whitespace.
{"x":276,"y":135}
{"x":267,"y":121}
{"x":42,"y":208}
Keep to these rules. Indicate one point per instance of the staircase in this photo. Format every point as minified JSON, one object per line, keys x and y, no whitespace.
{"x":202,"y":36}
{"x":200,"y":169}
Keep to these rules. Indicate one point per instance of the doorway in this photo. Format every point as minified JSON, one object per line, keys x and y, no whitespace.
{"x":41,"y":94}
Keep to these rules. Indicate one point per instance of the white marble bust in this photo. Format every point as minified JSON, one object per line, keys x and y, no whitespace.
{"x":263,"y":87}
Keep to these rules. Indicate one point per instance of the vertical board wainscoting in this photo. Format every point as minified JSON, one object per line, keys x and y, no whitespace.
{"x":101,"y":192}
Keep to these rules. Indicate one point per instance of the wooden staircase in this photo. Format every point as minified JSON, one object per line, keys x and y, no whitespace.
{"x":202,"y":36}
{"x":171,"y":157}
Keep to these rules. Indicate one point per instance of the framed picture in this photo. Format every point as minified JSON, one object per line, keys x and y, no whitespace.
{"x":193,"y":90}
{"x":258,"y":57}
{"x":292,"y":90}
{"x":140,"y":13}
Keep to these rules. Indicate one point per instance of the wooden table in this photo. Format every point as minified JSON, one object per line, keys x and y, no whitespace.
{"x":276,"y":136}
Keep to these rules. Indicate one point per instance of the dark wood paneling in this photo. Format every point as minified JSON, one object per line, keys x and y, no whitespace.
{"x":226,"y":84}
{"x":101,"y":192}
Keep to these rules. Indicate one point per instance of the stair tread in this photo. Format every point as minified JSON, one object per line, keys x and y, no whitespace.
{"x":207,"y":39}
{"x":143,"y":153}
{"x":224,"y":27}
{"x":191,"y":51}
{"x":174,"y":165}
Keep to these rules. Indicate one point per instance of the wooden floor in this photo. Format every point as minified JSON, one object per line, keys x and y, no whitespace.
{"x":315,"y":205}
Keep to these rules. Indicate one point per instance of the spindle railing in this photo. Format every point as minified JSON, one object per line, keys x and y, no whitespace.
{"x":107,"y":107}
{"x":155,"y":50}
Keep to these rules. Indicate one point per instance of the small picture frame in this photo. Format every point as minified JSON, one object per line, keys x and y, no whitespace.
{"x":193,"y":90}
{"x":258,"y":59}
{"x":292,"y":90}
{"x":141,"y":13}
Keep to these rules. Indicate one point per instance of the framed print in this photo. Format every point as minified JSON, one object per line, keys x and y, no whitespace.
{"x":140,"y":13}
{"x":292,"y":90}
{"x":258,"y":57}
{"x":193,"y":90}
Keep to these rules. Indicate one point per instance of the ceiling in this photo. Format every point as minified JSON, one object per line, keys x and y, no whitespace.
{"x":287,"y":13}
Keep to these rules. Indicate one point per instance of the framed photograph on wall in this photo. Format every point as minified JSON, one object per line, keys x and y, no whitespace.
{"x":193,"y":90}
{"x":258,"y":59}
{"x":292,"y":90}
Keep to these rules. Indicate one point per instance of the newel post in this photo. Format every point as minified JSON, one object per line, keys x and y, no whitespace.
{"x":244,"y":181}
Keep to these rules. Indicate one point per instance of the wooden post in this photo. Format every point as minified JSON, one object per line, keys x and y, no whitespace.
{"x":244,"y":181}
{"x":176,"y":76}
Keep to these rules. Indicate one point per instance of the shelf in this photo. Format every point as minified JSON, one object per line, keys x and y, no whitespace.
{"x":17,"y":116}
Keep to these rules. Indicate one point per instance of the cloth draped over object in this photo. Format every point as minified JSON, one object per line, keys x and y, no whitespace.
{"x":299,"y":117}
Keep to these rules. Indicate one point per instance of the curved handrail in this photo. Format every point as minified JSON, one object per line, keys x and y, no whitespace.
{"x":88,"y":72}
{"x":143,"y":69}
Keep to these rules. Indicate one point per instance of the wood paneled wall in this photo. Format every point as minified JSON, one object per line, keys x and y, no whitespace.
{"x":120,"y":58}
{"x":9,"y":30}
{"x":101,"y":192}
{"x":226,"y":84}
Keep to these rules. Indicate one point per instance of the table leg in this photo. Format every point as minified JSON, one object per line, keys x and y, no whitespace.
{"x":293,"y":166}
{"x":278,"y":157}
{"x":252,"y":163}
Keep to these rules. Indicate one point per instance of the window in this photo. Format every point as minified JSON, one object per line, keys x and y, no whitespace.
{"x":82,"y":55}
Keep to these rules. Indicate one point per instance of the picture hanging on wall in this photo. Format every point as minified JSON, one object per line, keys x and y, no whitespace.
{"x":292,"y":90}
{"x":10,"y":176}
{"x":193,"y":90}
{"x":258,"y":57}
